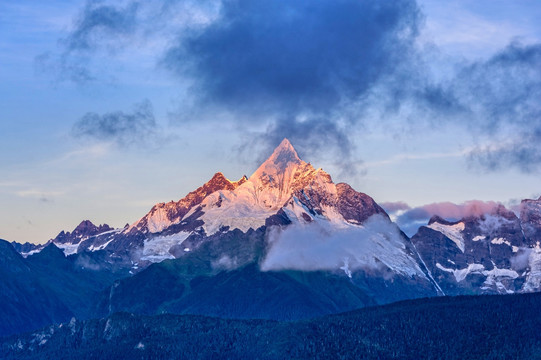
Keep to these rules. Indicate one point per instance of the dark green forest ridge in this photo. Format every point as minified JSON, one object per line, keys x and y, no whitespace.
{"x":464,"y":327}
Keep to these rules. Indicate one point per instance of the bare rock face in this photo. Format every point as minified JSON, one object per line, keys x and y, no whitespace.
{"x":530,"y":218}
{"x":355,"y":206}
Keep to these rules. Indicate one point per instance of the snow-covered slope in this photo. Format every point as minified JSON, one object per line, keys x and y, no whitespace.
{"x":286,"y":183}
{"x":163,"y":215}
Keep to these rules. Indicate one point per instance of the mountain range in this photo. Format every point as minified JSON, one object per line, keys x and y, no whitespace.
{"x":286,"y":243}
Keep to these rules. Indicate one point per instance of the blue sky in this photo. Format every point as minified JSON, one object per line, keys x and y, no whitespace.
{"x":110,"y":107}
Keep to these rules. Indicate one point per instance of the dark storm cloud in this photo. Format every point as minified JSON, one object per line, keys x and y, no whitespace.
{"x":318,"y":71}
{"x":298,"y":63}
{"x":311,"y":70}
{"x":126,"y":129}
{"x":318,"y":135}
{"x":295,"y":55}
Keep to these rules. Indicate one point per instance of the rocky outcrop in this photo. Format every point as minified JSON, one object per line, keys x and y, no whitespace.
{"x":83,"y":231}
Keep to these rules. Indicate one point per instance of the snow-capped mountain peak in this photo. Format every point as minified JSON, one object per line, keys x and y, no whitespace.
{"x":285,"y":184}
{"x":283,"y":157}
{"x":272,"y":184}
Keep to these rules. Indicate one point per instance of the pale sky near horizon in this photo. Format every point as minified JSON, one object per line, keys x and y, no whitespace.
{"x":111,"y":107}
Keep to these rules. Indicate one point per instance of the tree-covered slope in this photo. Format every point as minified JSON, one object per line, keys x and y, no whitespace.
{"x":475,"y":327}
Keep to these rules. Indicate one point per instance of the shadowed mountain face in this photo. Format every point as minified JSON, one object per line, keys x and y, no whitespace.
{"x":222,"y":277}
{"x":48,"y":287}
{"x":530,"y":219}
{"x":26,"y":302}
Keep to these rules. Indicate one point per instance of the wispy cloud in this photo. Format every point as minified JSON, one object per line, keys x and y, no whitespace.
{"x":395,"y":207}
{"x":93,"y":151}
{"x":503,"y":95}
{"x":458,"y":30}
{"x":38,"y":194}
{"x":404,"y":157}
{"x":523,"y":152}
{"x":98,"y":26}
{"x":376,"y":245}
{"x":135,"y":128}
{"x":8,"y":184}
{"x":123,"y":31}
{"x":411,"y":218}
{"x":98,"y":22}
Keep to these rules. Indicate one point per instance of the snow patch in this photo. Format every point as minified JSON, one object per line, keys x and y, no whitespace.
{"x":533,"y":279}
{"x":493,"y":277}
{"x":453,"y":232}
{"x":159,"y":220}
{"x":239,"y":209}
{"x":478,"y":238}
{"x":499,"y":241}
{"x":461,"y":274}
{"x":69,"y":249}
{"x":100,"y":247}
{"x":491,"y":223}
{"x":157,"y":249}
{"x":295,"y":210}
{"x":345,"y":267}
{"x":31,"y":252}
{"x":442,"y":268}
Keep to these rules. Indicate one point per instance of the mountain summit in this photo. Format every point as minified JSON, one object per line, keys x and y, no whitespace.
{"x":282,"y":157}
